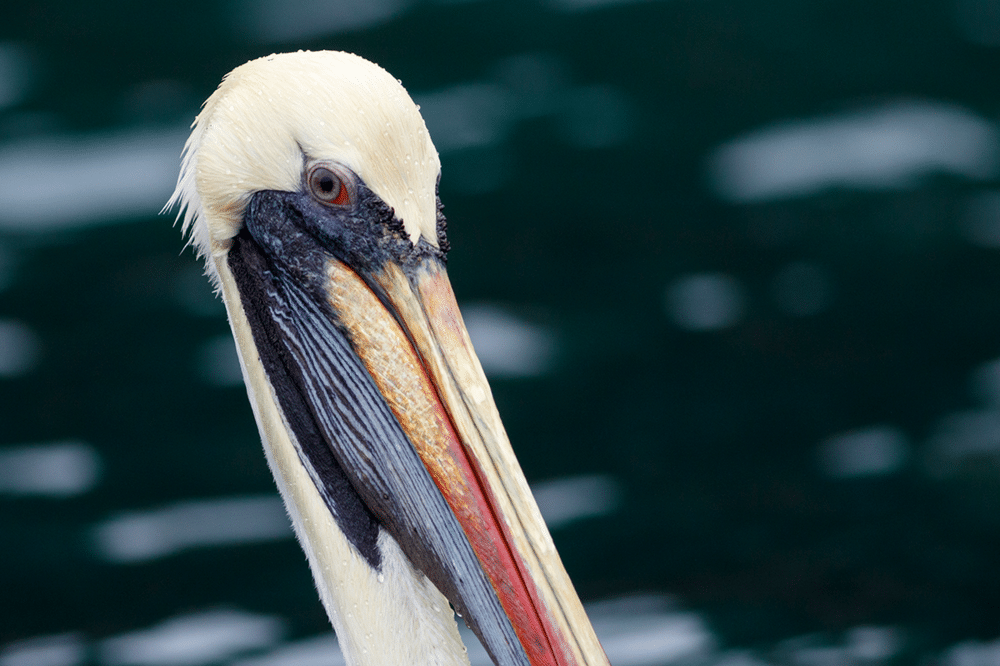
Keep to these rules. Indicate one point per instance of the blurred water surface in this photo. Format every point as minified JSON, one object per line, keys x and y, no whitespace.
{"x":732,"y":266}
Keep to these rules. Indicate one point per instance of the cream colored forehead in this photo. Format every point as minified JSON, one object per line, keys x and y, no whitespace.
{"x":271,"y":115}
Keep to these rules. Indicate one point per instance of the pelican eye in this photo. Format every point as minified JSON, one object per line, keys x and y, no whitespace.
{"x":328,"y":186}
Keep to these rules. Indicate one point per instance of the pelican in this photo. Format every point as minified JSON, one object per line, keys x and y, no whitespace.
{"x":309,"y":187}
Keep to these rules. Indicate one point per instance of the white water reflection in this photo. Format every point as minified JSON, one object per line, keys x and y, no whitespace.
{"x":646,"y":630}
{"x":874,"y":451}
{"x":564,"y":501}
{"x":138,"y":536}
{"x":509,"y":346}
{"x":972,"y":653}
{"x":890,"y":146}
{"x":56,"y":469}
{"x":115,"y":176}
{"x":705,"y":301}
{"x":478,"y":114}
{"x":963,"y":437}
{"x":468,"y":115}
{"x":321,"y":650}
{"x":874,"y":644}
{"x":193,"y":639}
{"x":862,"y":645}
{"x":68,"y":649}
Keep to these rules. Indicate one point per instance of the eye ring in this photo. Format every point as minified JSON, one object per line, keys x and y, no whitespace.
{"x":329,"y":185}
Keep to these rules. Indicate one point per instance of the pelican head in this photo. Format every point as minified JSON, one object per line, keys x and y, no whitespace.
{"x":309,"y":186}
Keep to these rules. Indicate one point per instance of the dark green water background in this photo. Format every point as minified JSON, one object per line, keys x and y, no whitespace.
{"x":713,"y":436}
